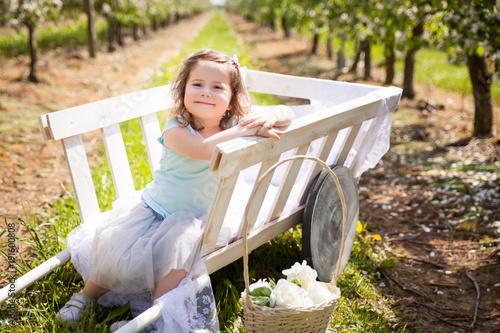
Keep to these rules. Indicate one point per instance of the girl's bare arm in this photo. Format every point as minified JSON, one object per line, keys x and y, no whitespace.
{"x":183,"y":142}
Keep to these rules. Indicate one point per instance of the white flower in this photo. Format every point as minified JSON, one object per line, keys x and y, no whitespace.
{"x":303,"y":274}
{"x":288,"y":294}
{"x":319,"y":292}
{"x":258,"y":284}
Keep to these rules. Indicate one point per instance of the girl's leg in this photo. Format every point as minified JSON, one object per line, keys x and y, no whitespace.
{"x":169,"y":282}
{"x":93,"y":291}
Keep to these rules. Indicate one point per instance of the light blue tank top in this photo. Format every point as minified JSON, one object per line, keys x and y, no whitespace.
{"x":181,"y":183}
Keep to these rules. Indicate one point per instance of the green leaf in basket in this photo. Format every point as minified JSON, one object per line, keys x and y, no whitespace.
{"x":261,"y":291}
{"x":272,"y":282}
{"x":260,"y":296}
{"x":260,"y":300}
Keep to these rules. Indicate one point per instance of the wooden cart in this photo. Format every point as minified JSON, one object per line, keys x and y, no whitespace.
{"x":343,"y":124}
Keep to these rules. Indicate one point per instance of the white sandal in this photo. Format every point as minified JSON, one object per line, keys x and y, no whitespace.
{"x":117,"y":325}
{"x":78,"y":305}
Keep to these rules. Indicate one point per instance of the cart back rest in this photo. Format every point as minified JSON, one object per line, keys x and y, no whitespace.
{"x":334,"y":107}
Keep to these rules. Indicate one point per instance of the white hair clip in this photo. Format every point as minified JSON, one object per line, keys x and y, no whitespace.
{"x":235,"y":61}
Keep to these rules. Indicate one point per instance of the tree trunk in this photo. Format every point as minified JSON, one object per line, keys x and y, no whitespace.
{"x":390,"y":60}
{"x":355,"y":62}
{"x":366,"y":47}
{"x":286,"y":28}
{"x":111,"y":34}
{"x":119,"y":35}
{"x":135,"y":31}
{"x":329,"y":52}
{"x":408,"y":90}
{"x":271,"y":24}
{"x":4,"y":9}
{"x":341,"y":55}
{"x":315,"y":44}
{"x":33,"y":53}
{"x":481,"y":88}
{"x":92,"y":38}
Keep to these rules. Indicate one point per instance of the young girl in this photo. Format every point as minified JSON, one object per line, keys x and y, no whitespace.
{"x":149,"y":241}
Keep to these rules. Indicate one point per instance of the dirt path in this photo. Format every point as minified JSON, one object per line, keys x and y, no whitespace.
{"x":32,"y":170}
{"x":435,"y":258}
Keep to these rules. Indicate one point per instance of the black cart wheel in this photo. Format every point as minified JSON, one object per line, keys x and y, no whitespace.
{"x":322,"y":222}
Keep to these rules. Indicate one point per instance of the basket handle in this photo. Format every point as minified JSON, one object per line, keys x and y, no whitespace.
{"x":248,"y":301}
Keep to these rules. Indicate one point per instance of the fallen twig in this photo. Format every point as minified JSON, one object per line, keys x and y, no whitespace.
{"x":374,"y":305}
{"x":417,"y":243}
{"x":391,"y":279}
{"x":435,"y":264}
{"x":447,"y":321}
{"x":478,"y":295}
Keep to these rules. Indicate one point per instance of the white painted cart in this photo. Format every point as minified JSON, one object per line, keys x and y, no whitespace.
{"x":344,"y":124}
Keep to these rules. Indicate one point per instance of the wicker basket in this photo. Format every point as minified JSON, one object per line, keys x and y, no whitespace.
{"x":262,"y":319}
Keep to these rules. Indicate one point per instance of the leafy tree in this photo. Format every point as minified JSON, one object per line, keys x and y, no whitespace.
{"x":4,"y":6}
{"x":30,"y":13}
{"x":388,"y":21}
{"x":158,"y":11}
{"x":470,"y":29}
{"x":417,"y":14}
{"x":74,"y":8}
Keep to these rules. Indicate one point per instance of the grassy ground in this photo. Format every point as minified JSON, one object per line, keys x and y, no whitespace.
{"x":364,"y":306}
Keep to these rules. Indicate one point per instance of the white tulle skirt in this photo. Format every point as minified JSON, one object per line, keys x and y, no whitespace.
{"x":132,"y":247}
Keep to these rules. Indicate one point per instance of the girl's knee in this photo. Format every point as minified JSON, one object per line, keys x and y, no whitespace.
{"x":169,"y":282}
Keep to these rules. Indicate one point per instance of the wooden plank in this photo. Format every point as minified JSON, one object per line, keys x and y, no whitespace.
{"x":81,"y":177}
{"x":260,"y":194}
{"x":44,"y":127}
{"x":234,"y":251}
{"x":217,"y":213}
{"x":277,"y":84}
{"x":34,"y":275}
{"x":96,"y":115}
{"x":287,"y":183}
{"x":348,"y":144}
{"x":142,"y":321}
{"x":151,"y":131}
{"x":215,"y":161}
{"x":306,"y":129}
{"x":118,"y":160}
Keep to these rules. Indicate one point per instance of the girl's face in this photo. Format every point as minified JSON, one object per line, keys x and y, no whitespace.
{"x":208,"y":92}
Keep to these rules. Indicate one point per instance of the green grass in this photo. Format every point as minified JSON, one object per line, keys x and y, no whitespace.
{"x":51,"y":37}
{"x":361,"y":307}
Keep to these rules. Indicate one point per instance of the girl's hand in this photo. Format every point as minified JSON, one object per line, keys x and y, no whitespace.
{"x":263,"y":126}
{"x":272,"y":132}
{"x":269,"y":121}
{"x":269,"y":132}
{"x":259,"y":118}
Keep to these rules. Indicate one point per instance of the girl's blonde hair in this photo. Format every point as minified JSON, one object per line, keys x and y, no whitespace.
{"x":240,"y":102}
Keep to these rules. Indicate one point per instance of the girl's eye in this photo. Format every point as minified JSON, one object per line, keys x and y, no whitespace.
{"x":218,"y":87}
{"x":197,"y":84}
